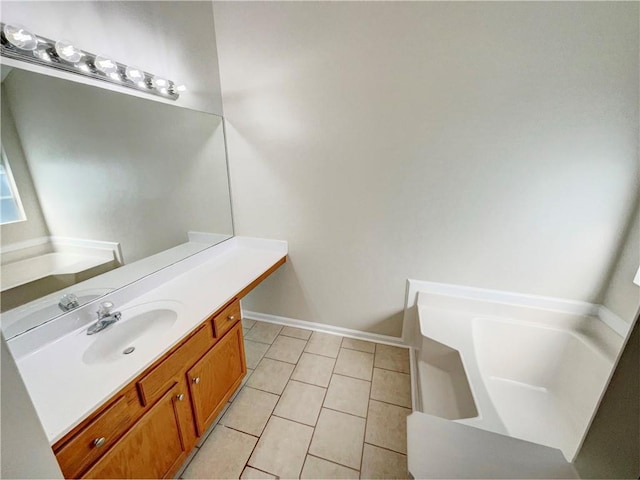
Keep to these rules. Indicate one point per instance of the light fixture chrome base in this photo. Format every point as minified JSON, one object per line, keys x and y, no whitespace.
{"x":45,"y":55}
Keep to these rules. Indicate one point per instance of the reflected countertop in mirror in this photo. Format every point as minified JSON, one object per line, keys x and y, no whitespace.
{"x":98,"y":190}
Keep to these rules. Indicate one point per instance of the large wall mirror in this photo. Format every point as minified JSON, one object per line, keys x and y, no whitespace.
{"x":99,"y":189}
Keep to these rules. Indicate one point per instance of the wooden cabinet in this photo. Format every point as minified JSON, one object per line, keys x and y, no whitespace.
{"x":99,"y":435}
{"x":172,"y":368}
{"x":216,"y":376}
{"x":149,"y":428}
{"x":154,"y":447}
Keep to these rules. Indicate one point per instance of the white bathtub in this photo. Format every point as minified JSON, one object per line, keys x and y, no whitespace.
{"x":529,"y":373}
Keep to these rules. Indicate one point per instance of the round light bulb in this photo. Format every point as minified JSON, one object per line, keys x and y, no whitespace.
{"x":105,"y":65}
{"x":20,"y":37}
{"x":160,"y":83}
{"x":68,"y":52}
{"x":181,"y":88}
{"x":134,"y":74}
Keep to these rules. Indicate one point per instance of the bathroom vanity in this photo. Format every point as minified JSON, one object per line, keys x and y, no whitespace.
{"x":132,"y":400}
{"x":148,"y":428}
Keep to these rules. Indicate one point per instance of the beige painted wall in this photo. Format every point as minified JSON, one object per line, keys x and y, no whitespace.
{"x":34,"y":226}
{"x":623,"y":296}
{"x":486,"y":144}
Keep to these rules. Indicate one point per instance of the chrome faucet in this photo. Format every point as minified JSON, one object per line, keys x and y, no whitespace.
{"x":68,"y":302}
{"x":105,"y":318}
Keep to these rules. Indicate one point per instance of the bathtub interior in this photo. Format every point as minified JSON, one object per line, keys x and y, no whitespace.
{"x":544,"y":382}
{"x":449,"y":394}
{"x":528,"y":373}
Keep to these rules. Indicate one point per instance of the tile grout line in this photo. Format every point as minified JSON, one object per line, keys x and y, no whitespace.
{"x":263,"y":471}
{"x":291,"y":420}
{"x":334,"y":462}
{"x":265,"y":391}
{"x":246,"y":464}
{"x":353,"y":378}
{"x":388,"y":403}
{"x":347,"y":413}
{"x":299,"y":338}
{"x":389,"y":370}
{"x":385,"y":448}
{"x":262,"y":431}
{"x":364,"y":440}
{"x":245,"y":433}
{"x":307,"y":383}
{"x":321,"y":355}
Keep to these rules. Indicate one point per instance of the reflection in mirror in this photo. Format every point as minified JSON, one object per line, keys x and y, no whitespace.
{"x":105,"y":188}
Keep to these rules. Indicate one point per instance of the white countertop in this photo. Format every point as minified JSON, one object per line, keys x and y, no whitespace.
{"x":65,"y":390}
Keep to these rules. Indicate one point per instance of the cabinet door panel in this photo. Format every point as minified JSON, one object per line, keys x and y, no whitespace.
{"x":216,"y":376}
{"x":153,"y":448}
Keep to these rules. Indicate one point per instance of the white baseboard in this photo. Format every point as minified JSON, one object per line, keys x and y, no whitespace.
{"x":321,"y":327}
{"x":613,"y":321}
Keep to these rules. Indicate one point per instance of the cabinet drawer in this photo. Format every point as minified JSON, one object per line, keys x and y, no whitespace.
{"x":226,"y":319}
{"x":98,"y":436}
{"x":163,"y":376}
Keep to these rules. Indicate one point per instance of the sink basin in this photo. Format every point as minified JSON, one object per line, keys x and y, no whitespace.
{"x":139,"y":326}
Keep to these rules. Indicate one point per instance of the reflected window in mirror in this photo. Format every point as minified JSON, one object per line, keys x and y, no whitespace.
{"x":10,"y":207}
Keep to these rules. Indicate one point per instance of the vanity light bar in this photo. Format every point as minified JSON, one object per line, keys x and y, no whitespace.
{"x":18,"y":43}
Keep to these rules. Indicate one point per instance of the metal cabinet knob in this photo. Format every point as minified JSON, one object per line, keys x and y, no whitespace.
{"x":180,"y":396}
{"x":196,"y":380}
{"x":98,"y":442}
{"x":231,"y":318}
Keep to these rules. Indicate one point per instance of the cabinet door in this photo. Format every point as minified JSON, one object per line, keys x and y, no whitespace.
{"x":154,"y":447}
{"x":216,"y":376}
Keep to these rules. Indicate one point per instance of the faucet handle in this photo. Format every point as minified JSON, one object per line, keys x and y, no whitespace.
{"x":104,"y":309}
{"x":68,"y":302}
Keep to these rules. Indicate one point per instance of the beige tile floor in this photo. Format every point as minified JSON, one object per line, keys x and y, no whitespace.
{"x":312,"y":405}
